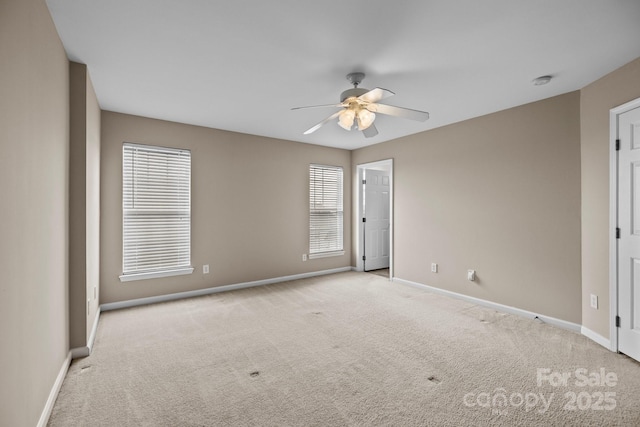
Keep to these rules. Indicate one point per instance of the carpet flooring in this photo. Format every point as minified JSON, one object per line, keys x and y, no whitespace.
{"x":383,"y":272}
{"x":350,"y":349}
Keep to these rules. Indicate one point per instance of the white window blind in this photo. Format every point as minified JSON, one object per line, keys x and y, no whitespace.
{"x":325,"y":211}
{"x":156,"y":202}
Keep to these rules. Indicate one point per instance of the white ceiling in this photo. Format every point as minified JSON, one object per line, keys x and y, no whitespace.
{"x":242,"y":65}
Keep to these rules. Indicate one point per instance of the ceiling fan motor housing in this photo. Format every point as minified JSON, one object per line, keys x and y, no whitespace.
{"x":354,"y":92}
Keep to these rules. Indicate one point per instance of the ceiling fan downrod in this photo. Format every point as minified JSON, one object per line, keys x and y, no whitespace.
{"x":355,"y":79}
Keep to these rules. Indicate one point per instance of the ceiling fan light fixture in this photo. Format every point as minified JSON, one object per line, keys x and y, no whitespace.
{"x":365,"y":119}
{"x":345,"y":119}
{"x":362,"y":105}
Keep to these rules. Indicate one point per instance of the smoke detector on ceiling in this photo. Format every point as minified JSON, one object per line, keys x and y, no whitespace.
{"x":542,"y":80}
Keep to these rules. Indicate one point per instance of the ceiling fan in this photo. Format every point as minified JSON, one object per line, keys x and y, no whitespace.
{"x":359,"y":106}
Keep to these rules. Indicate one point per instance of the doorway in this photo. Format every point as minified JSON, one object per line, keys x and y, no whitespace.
{"x":374,"y":251}
{"x":625,"y":239}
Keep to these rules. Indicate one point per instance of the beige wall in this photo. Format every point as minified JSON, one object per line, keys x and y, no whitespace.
{"x":499,"y":194}
{"x":84,"y":205}
{"x":597,"y":99}
{"x":249,"y":205}
{"x":34,"y":133}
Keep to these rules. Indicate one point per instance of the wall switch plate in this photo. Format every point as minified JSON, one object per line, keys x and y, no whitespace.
{"x":471,"y":275}
{"x":304,"y":257}
{"x":205,"y":269}
{"x":594,"y":301}
{"x":434,"y":267}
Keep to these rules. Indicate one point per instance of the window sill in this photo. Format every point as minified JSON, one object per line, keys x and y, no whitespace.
{"x":326,"y":254}
{"x":155,"y":274}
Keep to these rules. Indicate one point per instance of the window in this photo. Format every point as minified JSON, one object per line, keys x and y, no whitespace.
{"x":156,"y":211}
{"x":325,"y":211}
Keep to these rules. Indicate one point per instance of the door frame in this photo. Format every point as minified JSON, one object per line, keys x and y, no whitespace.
{"x":386,"y":164}
{"x":613,"y":218}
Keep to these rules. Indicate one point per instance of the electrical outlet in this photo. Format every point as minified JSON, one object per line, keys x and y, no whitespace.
{"x":594,"y":301}
{"x":434,"y":267}
{"x":471,"y":275}
{"x":304,"y":257}
{"x":205,"y":269}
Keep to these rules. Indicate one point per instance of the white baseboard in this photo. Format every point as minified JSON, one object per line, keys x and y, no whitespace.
{"x":605,"y":342}
{"x":85,"y":351}
{"x":499,"y":307}
{"x":53,"y":395}
{"x":208,"y":291}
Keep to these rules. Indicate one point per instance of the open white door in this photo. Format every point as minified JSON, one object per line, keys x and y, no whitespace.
{"x":377,"y":219}
{"x":629,"y":232}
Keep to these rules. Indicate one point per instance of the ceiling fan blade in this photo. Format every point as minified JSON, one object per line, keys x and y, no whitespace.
{"x":375,"y":95}
{"x":371,"y":131}
{"x":318,"y":106}
{"x":319,"y":125}
{"x":406,"y":113}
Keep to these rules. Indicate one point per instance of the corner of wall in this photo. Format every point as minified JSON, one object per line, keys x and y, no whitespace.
{"x":84,"y":205}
